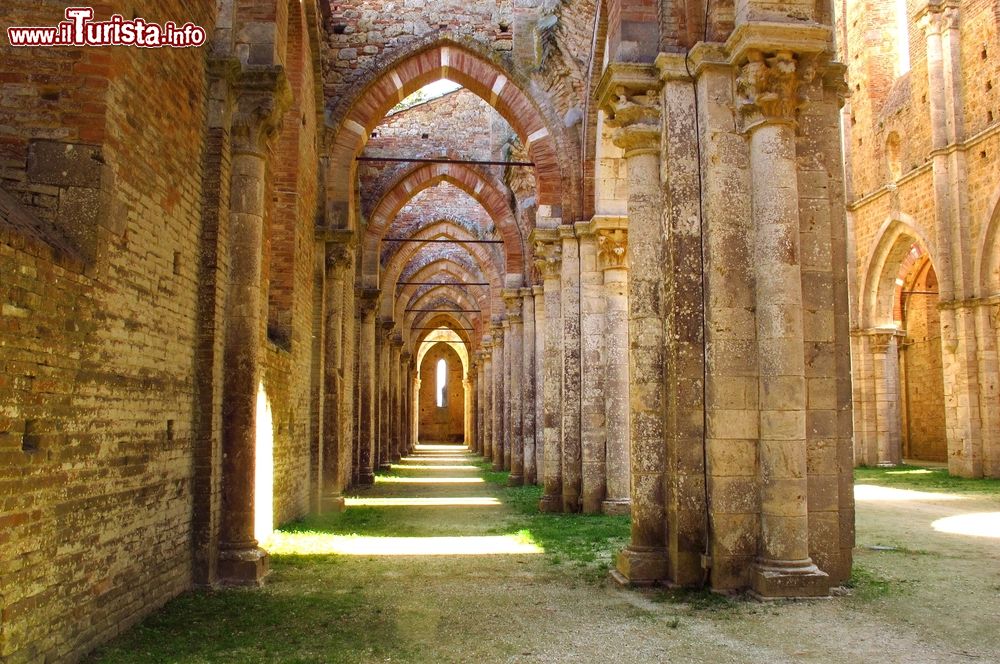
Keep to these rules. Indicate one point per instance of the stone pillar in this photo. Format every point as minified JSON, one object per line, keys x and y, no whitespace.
{"x":538,"y":295}
{"x":498,"y":400}
{"x":528,"y":385}
{"x":572,"y":449}
{"x":469,"y":383}
{"x":954,"y":256}
{"x":367,"y":303}
{"x":405,"y":359}
{"x":396,"y":367}
{"x":514,"y":352}
{"x":592,"y":374}
{"x":877,"y":372}
{"x":548,"y":259}
{"x":259,"y":108}
{"x":487,"y":407}
{"x":338,"y":258}
{"x":612,"y":250}
{"x":384,"y":393}
{"x":508,"y":428}
{"x":769,"y":98}
{"x":628,"y":94}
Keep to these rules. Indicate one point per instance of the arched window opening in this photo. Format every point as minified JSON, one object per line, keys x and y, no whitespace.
{"x":442,"y":383}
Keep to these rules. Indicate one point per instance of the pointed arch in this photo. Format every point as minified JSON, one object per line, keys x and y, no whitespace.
{"x":483,"y":188}
{"x":987,"y":268}
{"x":895,"y":238}
{"x":393,"y":79}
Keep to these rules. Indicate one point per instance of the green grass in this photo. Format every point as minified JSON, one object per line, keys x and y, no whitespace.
{"x":586,"y":543}
{"x":867,"y":585}
{"x":925,"y":479}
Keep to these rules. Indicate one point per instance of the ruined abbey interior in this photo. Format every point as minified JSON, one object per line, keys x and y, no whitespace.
{"x":682,"y":261}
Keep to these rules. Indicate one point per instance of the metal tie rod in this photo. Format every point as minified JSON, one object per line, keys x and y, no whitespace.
{"x":442,"y":160}
{"x":456,"y":311}
{"x":442,"y":283}
{"x":407,"y":239}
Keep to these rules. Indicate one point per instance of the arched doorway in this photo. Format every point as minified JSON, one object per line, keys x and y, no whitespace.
{"x":441,"y":399}
{"x":921,"y":379}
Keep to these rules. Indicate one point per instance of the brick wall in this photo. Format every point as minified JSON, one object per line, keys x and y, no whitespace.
{"x":97,"y":355}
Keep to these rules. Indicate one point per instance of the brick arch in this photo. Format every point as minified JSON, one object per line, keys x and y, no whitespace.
{"x":893,"y":243}
{"x":449,"y":269}
{"x":490,"y":194}
{"x":537,"y":124}
{"x":465,"y":232}
{"x":453,"y":322}
{"x":486,"y":263}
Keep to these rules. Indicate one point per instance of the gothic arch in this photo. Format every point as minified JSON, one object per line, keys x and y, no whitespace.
{"x":393,"y":79}
{"x":491,"y":195}
{"x":987,"y":269}
{"x":894,"y":239}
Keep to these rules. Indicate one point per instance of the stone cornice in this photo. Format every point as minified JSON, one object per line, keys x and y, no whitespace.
{"x":766,"y":37}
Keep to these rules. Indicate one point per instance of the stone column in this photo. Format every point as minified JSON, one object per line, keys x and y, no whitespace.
{"x":508,"y":428}
{"x":953,"y":259}
{"x":514,"y":352}
{"x":384,"y":394}
{"x":367,"y":303}
{"x":548,"y":259}
{"x":338,"y":257}
{"x":498,"y":400}
{"x":769,"y":98}
{"x":629,"y":96}
{"x":397,"y":397}
{"x":538,"y":295}
{"x":612,"y":250}
{"x":470,"y":406}
{"x":404,"y":401}
{"x":528,"y":385}
{"x":487,"y":407}
{"x":592,"y":374}
{"x":259,"y":108}
{"x":572,"y":449}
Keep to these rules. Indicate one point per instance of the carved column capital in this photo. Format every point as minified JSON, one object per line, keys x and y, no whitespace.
{"x":548,"y":258}
{"x":769,"y":88}
{"x":629,"y":93}
{"x":262,"y":96}
{"x":339,"y":255}
{"x":612,"y":248}
{"x":512,"y":299}
{"x":367,"y":299}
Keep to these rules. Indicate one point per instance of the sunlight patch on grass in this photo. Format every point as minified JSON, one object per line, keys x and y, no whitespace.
{"x":977,"y":524}
{"x":471,"y":501}
{"x":395,"y":479}
{"x":405,"y":466}
{"x":313,"y":543}
{"x":870,"y":493}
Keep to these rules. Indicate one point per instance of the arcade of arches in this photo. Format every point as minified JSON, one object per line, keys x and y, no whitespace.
{"x":609,"y":246}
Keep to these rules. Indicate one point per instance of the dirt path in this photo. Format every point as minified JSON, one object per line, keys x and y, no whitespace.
{"x":479,"y":592}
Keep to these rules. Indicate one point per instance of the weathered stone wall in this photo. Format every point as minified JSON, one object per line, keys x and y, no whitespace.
{"x":909,"y":137}
{"x":445,"y":424}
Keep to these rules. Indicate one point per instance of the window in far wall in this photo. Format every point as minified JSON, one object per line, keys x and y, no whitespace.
{"x":442,"y":382}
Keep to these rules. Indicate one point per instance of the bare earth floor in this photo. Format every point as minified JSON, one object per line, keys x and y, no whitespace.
{"x":493,"y":582}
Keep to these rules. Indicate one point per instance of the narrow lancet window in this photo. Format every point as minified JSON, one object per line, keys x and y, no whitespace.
{"x":442,"y":381}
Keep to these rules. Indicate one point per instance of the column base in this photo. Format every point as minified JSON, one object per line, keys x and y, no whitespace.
{"x":245,"y":566}
{"x":550,"y":503}
{"x":640,"y":567}
{"x":332,"y":503}
{"x":497,"y":466}
{"x":515,"y":480}
{"x":617,"y":507}
{"x":784,"y":579}
{"x":366,"y":479}
{"x":385,"y":466}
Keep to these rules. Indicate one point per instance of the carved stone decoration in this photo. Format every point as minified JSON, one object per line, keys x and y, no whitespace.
{"x":770,"y":87}
{"x":612,"y":248}
{"x":548,"y":259}
{"x":262,"y":97}
{"x":636,"y":118}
